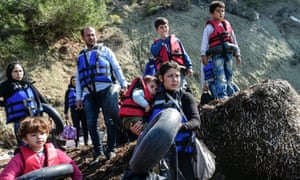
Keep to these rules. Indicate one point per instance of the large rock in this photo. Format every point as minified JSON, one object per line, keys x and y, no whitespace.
{"x":256,"y":133}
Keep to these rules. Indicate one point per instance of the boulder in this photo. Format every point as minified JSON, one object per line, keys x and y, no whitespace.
{"x":256,"y":133}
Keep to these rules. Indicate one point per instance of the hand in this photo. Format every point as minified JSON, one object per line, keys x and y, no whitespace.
{"x":238,"y":59}
{"x":147,"y":108}
{"x":123,"y":92}
{"x":204,"y":60}
{"x":164,"y":35}
{"x":190,"y":72}
{"x":136,"y":128}
{"x":79,"y":104}
{"x":66,"y":117}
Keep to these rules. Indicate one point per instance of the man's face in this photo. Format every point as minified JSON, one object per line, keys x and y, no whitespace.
{"x":89,"y":37}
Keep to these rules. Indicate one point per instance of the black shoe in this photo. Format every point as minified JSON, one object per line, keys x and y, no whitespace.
{"x":97,"y":160}
{"x":110,"y":155}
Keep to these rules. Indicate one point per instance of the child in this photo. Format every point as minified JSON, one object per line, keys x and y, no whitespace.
{"x":169,"y":47}
{"x":77,"y":115}
{"x":137,"y":103}
{"x":37,"y":154}
{"x":219,"y":36}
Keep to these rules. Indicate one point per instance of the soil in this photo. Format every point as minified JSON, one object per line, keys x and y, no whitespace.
{"x":109,"y":169}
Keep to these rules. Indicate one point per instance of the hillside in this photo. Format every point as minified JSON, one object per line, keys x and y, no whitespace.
{"x":269,"y":46}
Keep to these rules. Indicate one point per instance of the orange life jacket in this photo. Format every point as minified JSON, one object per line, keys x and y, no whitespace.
{"x":175,"y":53}
{"x":220,"y":34}
{"x":32,"y":163}
{"x":128,"y":106}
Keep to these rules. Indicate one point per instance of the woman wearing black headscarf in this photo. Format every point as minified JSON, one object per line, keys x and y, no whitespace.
{"x":20,"y":97}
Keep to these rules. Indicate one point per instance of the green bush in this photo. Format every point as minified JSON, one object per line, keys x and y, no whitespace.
{"x":36,"y":24}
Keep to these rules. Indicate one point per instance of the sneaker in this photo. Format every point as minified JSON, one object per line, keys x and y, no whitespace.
{"x":77,"y":146}
{"x":110,"y":155}
{"x":97,"y":160}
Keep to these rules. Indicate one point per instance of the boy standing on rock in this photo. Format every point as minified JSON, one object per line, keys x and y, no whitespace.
{"x":169,"y":47}
{"x":219,"y":43}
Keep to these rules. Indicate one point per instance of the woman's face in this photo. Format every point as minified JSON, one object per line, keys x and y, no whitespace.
{"x":171,"y":79}
{"x":73,"y":81}
{"x":17,"y":73}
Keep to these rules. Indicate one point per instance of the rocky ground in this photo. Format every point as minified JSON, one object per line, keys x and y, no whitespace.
{"x":270,"y":49}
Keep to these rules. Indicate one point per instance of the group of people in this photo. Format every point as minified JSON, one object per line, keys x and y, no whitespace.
{"x":99,"y":81}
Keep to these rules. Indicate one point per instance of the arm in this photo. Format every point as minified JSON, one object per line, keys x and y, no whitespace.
{"x":110,"y":56}
{"x":66,"y":105}
{"x":79,"y":104}
{"x":155,"y":47}
{"x":238,"y":52}
{"x":64,"y":158}
{"x":186,"y":57}
{"x":190,"y":109}
{"x":13,"y":169}
{"x":205,"y":40}
{"x":138,"y":97}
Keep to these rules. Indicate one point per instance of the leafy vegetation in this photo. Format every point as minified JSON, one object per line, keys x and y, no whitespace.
{"x":29,"y":27}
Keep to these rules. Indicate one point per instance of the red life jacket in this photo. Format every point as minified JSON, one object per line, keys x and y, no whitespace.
{"x":175,"y":51}
{"x":32,"y":163}
{"x":220,"y":32}
{"x":128,"y":106}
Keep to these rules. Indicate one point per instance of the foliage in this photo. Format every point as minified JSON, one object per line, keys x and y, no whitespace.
{"x":115,"y":19}
{"x":29,"y":27}
{"x":154,"y":6}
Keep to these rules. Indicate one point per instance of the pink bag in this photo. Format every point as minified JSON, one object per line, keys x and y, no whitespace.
{"x":69,"y":133}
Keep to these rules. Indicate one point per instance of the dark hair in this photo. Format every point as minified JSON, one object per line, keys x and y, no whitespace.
{"x":32,"y":125}
{"x":160,"y":21}
{"x":10,"y":68}
{"x":215,"y":4}
{"x":71,"y":78}
{"x":83,"y":29}
{"x":148,"y":78}
{"x":168,"y":65}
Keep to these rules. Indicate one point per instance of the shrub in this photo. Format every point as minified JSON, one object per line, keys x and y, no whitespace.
{"x":38,"y":23}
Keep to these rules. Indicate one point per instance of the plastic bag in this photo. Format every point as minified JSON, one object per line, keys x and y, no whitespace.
{"x":69,"y":132}
{"x":203,"y":161}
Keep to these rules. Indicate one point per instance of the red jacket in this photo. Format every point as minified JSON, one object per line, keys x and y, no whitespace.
{"x":16,"y":166}
{"x":220,"y":32}
{"x":128,"y":106}
{"x":32,"y":163}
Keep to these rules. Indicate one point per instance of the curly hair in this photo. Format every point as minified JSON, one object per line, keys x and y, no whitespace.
{"x":33,"y":124}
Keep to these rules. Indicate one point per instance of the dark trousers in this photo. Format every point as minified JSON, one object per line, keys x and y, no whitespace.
{"x":78,"y":116}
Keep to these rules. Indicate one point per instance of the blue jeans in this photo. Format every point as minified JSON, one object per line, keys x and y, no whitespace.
{"x":212,"y":88}
{"x":222,"y":68}
{"x":107,"y":100}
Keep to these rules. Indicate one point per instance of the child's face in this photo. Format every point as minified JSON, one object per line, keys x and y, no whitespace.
{"x":218,"y":14}
{"x":152,"y":87}
{"x":205,"y":88}
{"x":36,"y":140}
{"x":163,"y":30}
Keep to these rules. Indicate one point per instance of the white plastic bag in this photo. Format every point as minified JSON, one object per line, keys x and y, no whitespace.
{"x":203,"y":161}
